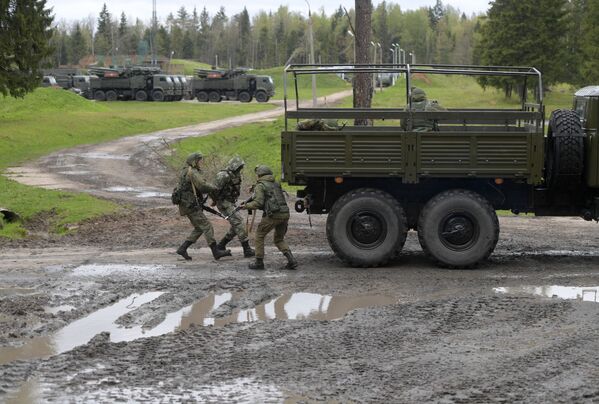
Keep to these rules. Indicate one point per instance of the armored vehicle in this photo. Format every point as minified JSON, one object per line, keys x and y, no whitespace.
{"x":49,"y":81}
{"x":236,"y":84}
{"x":376,"y":182}
{"x":140,"y":83}
{"x":178,"y":88}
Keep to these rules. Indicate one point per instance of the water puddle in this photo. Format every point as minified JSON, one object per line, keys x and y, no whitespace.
{"x":28,"y":392}
{"x":110,"y":269}
{"x":296,"y":306}
{"x":74,"y":172}
{"x":58,"y":309}
{"x":102,"y":156}
{"x":586,"y":294}
{"x":5,"y":291}
{"x":141,"y":192}
{"x":78,"y":332}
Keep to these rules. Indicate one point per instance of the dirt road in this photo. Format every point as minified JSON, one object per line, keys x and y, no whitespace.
{"x":111,"y":314}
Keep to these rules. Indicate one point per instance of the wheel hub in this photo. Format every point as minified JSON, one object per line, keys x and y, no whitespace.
{"x":367,"y":229}
{"x":458,"y":231}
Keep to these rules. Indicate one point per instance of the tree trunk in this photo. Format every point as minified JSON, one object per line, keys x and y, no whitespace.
{"x":363,"y":81}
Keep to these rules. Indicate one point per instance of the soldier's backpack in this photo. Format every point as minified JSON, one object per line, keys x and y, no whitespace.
{"x":176,"y":195}
{"x":274,"y":201}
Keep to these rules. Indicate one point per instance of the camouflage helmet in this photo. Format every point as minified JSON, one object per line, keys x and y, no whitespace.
{"x":262,"y":170}
{"x":236,"y":163}
{"x":193,"y":158}
{"x":418,"y":94}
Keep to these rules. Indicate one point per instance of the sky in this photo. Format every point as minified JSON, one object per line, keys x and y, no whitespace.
{"x":142,"y":9}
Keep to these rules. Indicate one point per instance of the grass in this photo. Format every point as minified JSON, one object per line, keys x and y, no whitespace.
{"x":48,"y":120}
{"x":325,"y":84}
{"x":189,"y":65}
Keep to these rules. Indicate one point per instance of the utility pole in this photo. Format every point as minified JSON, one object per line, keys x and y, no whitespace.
{"x":153,"y":33}
{"x":312,"y":61}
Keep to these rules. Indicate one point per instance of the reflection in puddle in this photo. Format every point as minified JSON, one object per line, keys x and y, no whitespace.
{"x":153,"y":195}
{"x":73,"y":172}
{"x":16,"y":291}
{"x":28,"y":392}
{"x":58,"y":309}
{"x":587,"y":294}
{"x":141,"y":192}
{"x":78,"y":332}
{"x":102,"y":156}
{"x":296,"y":306}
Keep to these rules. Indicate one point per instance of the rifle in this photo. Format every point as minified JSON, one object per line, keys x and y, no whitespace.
{"x":238,"y":208}
{"x":203,"y":204}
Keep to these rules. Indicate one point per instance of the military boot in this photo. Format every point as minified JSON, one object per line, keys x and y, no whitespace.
{"x":182,"y":250}
{"x":222,"y":245}
{"x":218,"y":253}
{"x":248,"y":252}
{"x":291,"y":261}
{"x":257,"y":264}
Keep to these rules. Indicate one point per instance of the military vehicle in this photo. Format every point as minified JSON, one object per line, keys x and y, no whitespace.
{"x":377,"y":182}
{"x":237,"y":84}
{"x":49,"y":81}
{"x":187,"y":90}
{"x":140,"y":83}
{"x":179,"y":90}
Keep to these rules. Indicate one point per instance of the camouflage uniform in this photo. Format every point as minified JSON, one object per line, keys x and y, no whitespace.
{"x":228,"y":189}
{"x":189,"y":207}
{"x":269,"y":197}
{"x":420,"y":103}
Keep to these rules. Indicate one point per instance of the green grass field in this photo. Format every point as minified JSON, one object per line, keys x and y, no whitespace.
{"x":49,"y":119}
{"x":189,"y":65}
{"x":325,"y":84}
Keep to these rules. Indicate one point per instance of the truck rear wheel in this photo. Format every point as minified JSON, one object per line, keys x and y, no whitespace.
{"x":141,"y":95}
{"x":214,"y":96}
{"x":261,"y":96}
{"x":244,"y":96}
{"x":157,"y":95}
{"x":111,"y":95}
{"x":366,"y":227}
{"x":458,"y":228}
{"x":202,"y":96}
{"x":565,"y":150}
{"x":100,"y":95}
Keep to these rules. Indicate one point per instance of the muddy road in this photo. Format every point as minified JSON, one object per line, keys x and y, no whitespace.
{"x":110,"y":313}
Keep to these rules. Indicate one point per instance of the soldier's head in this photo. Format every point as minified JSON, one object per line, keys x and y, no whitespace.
{"x":262,"y":170}
{"x":235,"y":164}
{"x":418,"y":94}
{"x":194,"y":158}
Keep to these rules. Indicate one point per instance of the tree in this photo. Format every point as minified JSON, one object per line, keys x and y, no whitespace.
{"x":78,"y":45}
{"x":363,"y":33}
{"x":24,"y":44}
{"x":524,"y":32}
{"x":590,"y":46}
{"x":103,"y":38}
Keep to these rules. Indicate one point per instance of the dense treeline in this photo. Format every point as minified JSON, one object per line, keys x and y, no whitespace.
{"x":438,"y":34}
{"x":559,"y":37}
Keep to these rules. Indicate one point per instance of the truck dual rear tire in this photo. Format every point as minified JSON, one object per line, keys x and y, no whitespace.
{"x":202,"y":96}
{"x":141,"y":95}
{"x":458,"y":228}
{"x":100,"y":95}
{"x":366,"y":227}
{"x":244,"y":96}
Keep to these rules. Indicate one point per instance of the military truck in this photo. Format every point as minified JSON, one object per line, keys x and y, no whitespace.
{"x":140,"y":83}
{"x":377,"y":182}
{"x":236,"y":84}
{"x":178,"y":88}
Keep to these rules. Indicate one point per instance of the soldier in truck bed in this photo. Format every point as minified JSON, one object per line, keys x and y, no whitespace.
{"x":269,"y":197}
{"x":190,"y":199}
{"x":421,"y":103}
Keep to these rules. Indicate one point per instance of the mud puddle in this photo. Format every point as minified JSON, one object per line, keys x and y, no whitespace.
{"x":78,"y":332}
{"x":109,"y":269}
{"x":58,"y":309}
{"x":296,"y":306}
{"x":587,"y":294}
{"x":6,"y":292}
{"x":140,"y":192}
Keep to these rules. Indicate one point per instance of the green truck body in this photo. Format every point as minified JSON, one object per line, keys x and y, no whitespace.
{"x":135,"y":83}
{"x":476,"y":160}
{"x":216,"y":85}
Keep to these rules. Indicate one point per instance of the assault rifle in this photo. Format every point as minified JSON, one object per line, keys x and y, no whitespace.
{"x":238,"y":208}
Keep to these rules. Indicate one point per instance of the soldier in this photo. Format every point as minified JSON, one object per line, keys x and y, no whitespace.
{"x":421,"y":103}
{"x":228,"y":185}
{"x":191,"y":188}
{"x":268,"y":196}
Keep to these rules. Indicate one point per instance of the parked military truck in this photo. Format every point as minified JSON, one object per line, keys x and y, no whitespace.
{"x":236,"y":84}
{"x":140,"y":83}
{"x":377,"y":182}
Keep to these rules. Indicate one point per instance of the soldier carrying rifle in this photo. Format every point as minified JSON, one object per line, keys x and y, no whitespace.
{"x":189,"y":196}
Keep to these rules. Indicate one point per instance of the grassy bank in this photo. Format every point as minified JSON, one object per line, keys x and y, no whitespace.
{"x":325,"y":84}
{"x":48,"y":120}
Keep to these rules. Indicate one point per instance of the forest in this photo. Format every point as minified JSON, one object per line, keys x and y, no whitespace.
{"x":558,"y":37}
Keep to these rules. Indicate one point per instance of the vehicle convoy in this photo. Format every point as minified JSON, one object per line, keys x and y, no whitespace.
{"x":236,"y":84}
{"x":70,"y":79}
{"x":377,"y":182}
{"x":140,"y":83}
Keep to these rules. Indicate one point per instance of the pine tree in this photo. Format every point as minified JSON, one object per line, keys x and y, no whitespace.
{"x":78,"y":46}
{"x":103,"y":40}
{"x":21,"y":55}
{"x":590,"y":44}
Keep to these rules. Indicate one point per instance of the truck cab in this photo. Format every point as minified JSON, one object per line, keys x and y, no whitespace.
{"x":163,"y":87}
